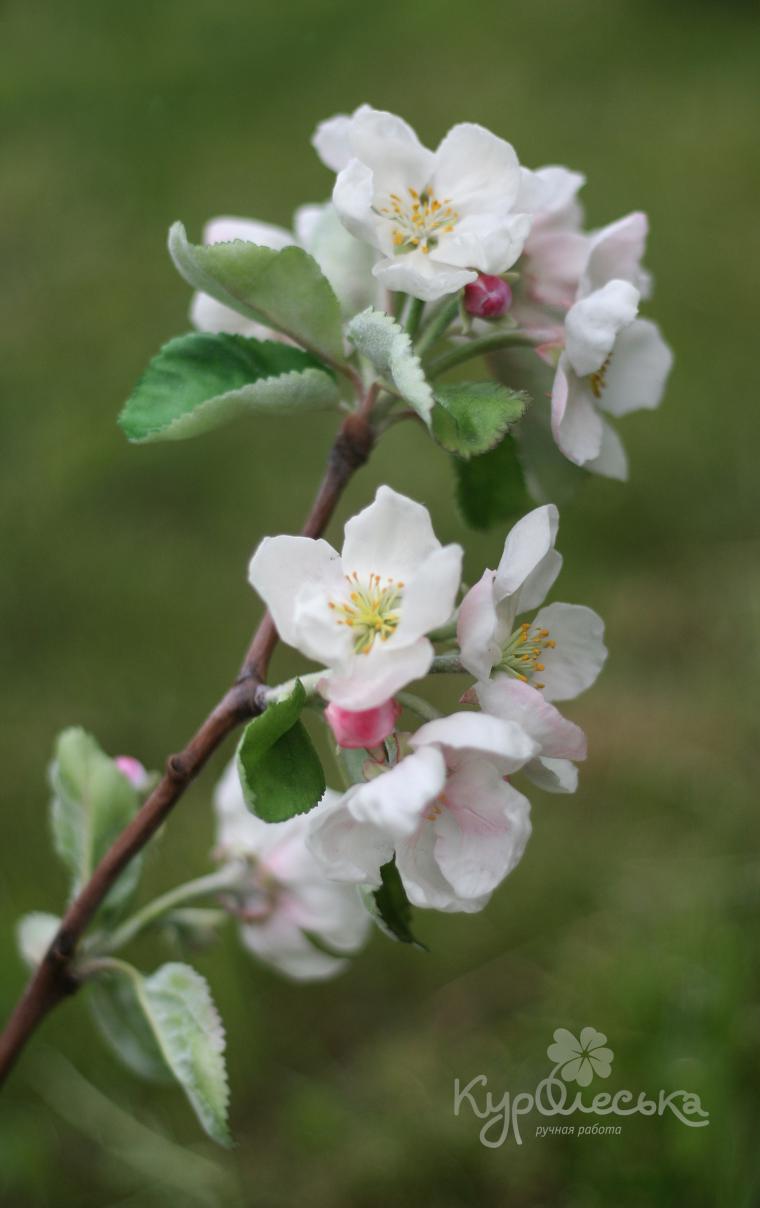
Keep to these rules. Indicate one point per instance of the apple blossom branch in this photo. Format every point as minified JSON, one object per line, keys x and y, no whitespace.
{"x":55,"y":978}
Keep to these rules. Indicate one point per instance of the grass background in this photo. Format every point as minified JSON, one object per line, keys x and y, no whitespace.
{"x":125,"y":608}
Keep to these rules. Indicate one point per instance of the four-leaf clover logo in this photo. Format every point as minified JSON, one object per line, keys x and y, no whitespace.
{"x":578,"y":1059}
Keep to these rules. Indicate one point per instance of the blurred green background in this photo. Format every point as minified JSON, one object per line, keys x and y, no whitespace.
{"x":125,"y":606}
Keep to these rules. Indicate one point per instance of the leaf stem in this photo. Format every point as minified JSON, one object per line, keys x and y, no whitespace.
{"x":418,"y":705}
{"x":479,"y":348}
{"x":437,"y":324}
{"x":447,"y":664}
{"x":228,"y":877}
{"x":413,"y":316}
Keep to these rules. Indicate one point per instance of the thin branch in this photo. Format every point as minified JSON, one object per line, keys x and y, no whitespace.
{"x":53,"y":980}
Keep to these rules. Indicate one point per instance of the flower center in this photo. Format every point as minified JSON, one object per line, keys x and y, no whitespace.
{"x":598,"y":380}
{"x":371,"y":610}
{"x":420,"y":220}
{"x":436,"y":808}
{"x":257,"y":902}
{"x":520,"y":657}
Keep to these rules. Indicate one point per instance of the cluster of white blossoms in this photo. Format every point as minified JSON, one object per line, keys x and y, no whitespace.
{"x":439,"y":800}
{"x":430,"y":224}
{"x":437,"y":257}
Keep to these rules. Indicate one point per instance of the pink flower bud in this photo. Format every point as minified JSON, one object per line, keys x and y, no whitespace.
{"x":367,"y":728}
{"x":487,"y":297}
{"x":134,"y":771}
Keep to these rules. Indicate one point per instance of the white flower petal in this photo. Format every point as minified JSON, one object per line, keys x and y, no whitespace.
{"x":344,"y":260}
{"x":552,"y":775}
{"x":482,"y":835}
{"x":422,"y":276}
{"x":347,"y":850}
{"x":238,"y":831}
{"x":395,"y":801}
{"x":616,"y":251}
{"x":638,"y":370}
{"x":282,"y":944}
{"x":580,"y":652}
{"x":477,"y":626}
{"x":282,"y":566}
{"x":592,"y":325}
{"x":529,"y":564}
{"x":206,"y":314}
{"x":476,"y":169}
{"x":550,"y":194}
{"x":490,"y":242}
{"x":423,"y":880}
{"x":577,"y":426}
{"x":368,"y":680}
{"x":321,"y":634}
{"x":512,"y":700}
{"x":612,"y":460}
{"x":430,"y":594}
{"x":332,"y":141}
{"x":227,"y":229}
{"x":462,"y":735}
{"x":391,"y":148}
{"x":554,"y":262}
{"x":390,"y":537}
{"x":353,"y":198}
{"x":330,"y":910}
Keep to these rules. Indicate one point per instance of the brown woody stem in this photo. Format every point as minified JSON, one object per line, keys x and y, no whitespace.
{"x":54,"y":979}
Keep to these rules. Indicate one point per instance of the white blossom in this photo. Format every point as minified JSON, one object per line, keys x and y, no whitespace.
{"x":560,"y":742}
{"x":363,"y":613}
{"x":562,"y":649}
{"x":437,"y":218}
{"x":613,"y":362}
{"x":287,"y":898}
{"x":457,"y":827}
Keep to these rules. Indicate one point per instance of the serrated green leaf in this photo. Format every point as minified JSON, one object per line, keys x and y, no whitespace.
{"x":280,"y":772}
{"x":392,"y":909}
{"x":189,"y":1030}
{"x":284,"y":290}
{"x":389,"y":349}
{"x":168,"y":1023}
{"x":202,"y":380}
{"x":491,"y":489}
{"x":34,"y":935}
{"x":120,"y":1018}
{"x":470,"y":418}
{"x":92,"y":803}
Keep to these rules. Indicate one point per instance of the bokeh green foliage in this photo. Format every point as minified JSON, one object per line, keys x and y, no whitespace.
{"x":125,"y":609}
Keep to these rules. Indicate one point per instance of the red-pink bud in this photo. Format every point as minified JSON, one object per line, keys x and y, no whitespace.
{"x":134,"y":771}
{"x":488,"y":297}
{"x":367,"y":728}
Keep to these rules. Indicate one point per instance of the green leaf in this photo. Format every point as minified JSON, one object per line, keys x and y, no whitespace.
{"x":120,"y":1018}
{"x":168,"y":1024}
{"x":92,"y":803}
{"x":200,"y":381}
{"x":491,"y":489}
{"x":34,"y":935}
{"x":280,"y":772}
{"x":392,"y":909}
{"x":470,"y":418}
{"x":285,"y":289}
{"x":389,"y":349}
